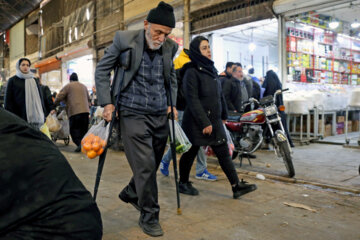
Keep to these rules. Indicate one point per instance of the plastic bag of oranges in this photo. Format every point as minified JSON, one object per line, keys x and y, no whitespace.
{"x":94,"y":142}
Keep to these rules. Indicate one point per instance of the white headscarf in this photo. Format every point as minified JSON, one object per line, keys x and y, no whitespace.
{"x":34,"y":110}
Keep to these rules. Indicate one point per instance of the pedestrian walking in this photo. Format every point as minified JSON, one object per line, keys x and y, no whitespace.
{"x":77,"y":100}
{"x":23,"y":95}
{"x":201,"y":163}
{"x":144,"y":102}
{"x":204,"y":116}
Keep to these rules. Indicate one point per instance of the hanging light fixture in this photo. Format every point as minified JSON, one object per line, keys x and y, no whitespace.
{"x":334,"y":24}
{"x":355,"y":24}
{"x":252,"y":45}
{"x":87,"y":14}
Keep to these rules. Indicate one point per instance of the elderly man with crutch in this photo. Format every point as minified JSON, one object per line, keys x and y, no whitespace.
{"x":143,"y":92}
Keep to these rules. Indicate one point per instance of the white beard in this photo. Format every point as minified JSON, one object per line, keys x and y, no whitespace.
{"x":150,"y":42}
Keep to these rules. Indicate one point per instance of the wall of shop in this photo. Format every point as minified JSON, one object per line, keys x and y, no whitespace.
{"x":17,"y":44}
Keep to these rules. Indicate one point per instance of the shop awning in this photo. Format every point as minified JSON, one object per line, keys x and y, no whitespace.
{"x":49,"y":64}
{"x":230,"y":13}
{"x":293,"y":7}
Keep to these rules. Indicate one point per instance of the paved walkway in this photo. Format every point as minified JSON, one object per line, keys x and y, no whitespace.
{"x":215,"y":215}
{"x":322,"y":163}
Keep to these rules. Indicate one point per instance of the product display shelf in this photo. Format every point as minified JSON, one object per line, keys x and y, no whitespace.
{"x":316,"y":55}
{"x":306,"y":137}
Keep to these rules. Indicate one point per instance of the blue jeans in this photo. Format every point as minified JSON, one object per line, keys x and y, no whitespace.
{"x":201,"y":164}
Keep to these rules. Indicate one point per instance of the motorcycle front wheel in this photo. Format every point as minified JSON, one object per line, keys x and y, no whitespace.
{"x":285,"y":153}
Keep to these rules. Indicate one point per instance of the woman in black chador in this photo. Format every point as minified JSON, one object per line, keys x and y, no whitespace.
{"x":40,"y":195}
{"x":272,"y":84}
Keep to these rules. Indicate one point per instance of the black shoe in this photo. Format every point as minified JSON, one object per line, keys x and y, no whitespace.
{"x":78,"y":148}
{"x":153,"y":228}
{"x":187,"y":188}
{"x":125,"y":197}
{"x":242,"y":188}
{"x":249,"y":155}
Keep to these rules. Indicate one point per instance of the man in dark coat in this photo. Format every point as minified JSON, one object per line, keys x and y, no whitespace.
{"x":271,"y":85}
{"x":234,"y":90}
{"x":48,"y":101}
{"x":227,"y":74}
{"x":41,"y":197}
{"x":144,"y":100}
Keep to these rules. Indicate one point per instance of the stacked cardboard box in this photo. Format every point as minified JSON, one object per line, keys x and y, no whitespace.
{"x":349,"y":126}
{"x":355,"y":126}
{"x":328,"y":129}
{"x":340,"y":124}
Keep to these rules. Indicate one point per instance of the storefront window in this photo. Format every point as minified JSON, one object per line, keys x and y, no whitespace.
{"x":83,"y":66}
{"x":52,"y":79}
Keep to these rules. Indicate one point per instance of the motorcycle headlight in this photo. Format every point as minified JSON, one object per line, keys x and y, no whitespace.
{"x":271,"y":110}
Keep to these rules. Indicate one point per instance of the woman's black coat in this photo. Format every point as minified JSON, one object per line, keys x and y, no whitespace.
{"x":15,"y":97}
{"x":205,"y":105}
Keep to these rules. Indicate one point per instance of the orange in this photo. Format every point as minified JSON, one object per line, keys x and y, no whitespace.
{"x":103,"y":143}
{"x":100,"y":151}
{"x":96,"y":139}
{"x":83,"y":150}
{"x":96,"y":146}
{"x":91,"y":154}
{"x":87,"y":146}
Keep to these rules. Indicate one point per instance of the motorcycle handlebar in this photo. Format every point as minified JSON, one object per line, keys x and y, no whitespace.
{"x":279,"y":92}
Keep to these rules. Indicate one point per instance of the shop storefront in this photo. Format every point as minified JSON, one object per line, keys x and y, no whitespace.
{"x":83,"y":67}
{"x":78,"y":59}
{"x":49,"y":71}
{"x":320,"y":59}
{"x":241,"y":31}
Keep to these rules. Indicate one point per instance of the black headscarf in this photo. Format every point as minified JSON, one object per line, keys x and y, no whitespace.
{"x":272,"y":84}
{"x":196,"y":56}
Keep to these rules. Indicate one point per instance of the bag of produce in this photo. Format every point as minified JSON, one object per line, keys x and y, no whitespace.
{"x":182,"y":143}
{"x":94,"y":142}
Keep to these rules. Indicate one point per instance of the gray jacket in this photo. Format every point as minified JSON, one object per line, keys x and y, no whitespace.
{"x":133,"y":40}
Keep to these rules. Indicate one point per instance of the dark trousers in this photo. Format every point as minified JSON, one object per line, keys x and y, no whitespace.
{"x":223,"y":155}
{"x":144,"y":138}
{"x":79,"y":124}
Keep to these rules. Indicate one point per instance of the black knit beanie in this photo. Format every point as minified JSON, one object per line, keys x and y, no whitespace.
{"x":163,"y":14}
{"x":74,"y":77}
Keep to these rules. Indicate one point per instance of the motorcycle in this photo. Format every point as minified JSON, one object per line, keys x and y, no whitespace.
{"x":249,"y":130}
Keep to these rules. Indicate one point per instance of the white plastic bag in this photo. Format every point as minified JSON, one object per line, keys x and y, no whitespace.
{"x":229,"y":141}
{"x":64,"y":131}
{"x":94,"y":142}
{"x":62,"y":115}
{"x":99,"y":112}
{"x":53,"y":123}
{"x":182,"y":143}
{"x":210,"y":152}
